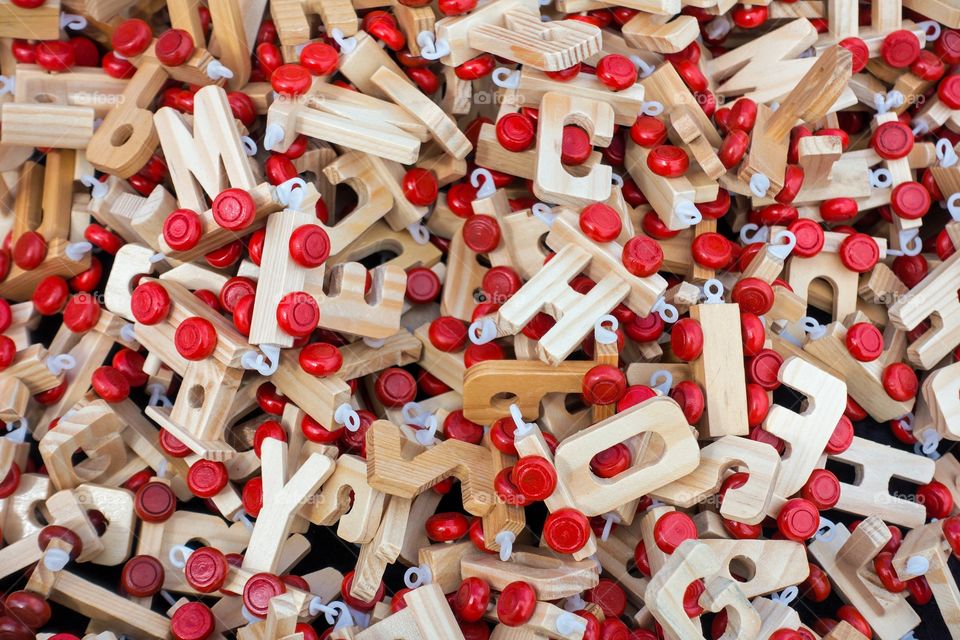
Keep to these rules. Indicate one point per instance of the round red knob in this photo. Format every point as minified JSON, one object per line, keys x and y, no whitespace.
{"x":900,"y":48}
{"x":319,"y":58}
{"x":28,"y":608}
{"x":195,"y":338}
{"x":516,"y":132}
{"x":291,"y":80}
{"x":234,"y":209}
{"x":155,"y":502}
{"x":672,"y":529}
{"x":753,"y":295}
{"x":320,"y":359}
{"x":395,"y":387}
{"x":892,"y":140}
{"x":207,"y":478}
{"x":206,"y":569}
{"x":182,"y":229}
{"x":711,"y":250}
{"x":131,"y":37}
{"x":822,"y":489}
{"x":50,"y":295}
{"x":668,"y":161}
{"x":446,"y":527}
{"x":110,"y":384}
{"x":535,"y":477}
{"x":192,"y":621}
{"x":298,"y":314}
{"x":600,"y":222}
{"x":900,"y":382}
{"x":309,"y":245}
{"x":150,"y":303}
{"x":611,"y":461}
{"x":516,"y":604}
{"x":686,"y":339}
{"x":604,"y":384}
{"x":472,"y":599}
{"x":648,"y":131}
{"x":566,"y":530}
{"x":29,"y":250}
{"x":481,"y":233}
{"x":448,"y":334}
{"x":81,"y":313}
{"x":798,"y":519}
{"x":864,"y":342}
{"x":575,"y":147}
{"x":420,"y":186}
{"x":617,"y":72}
{"x":936,"y":499}
{"x":142,"y":576}
{"x":174,"y":47}
{"x":809,"y":237}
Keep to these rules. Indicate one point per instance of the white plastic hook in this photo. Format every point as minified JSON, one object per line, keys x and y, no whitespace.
{"x":953,"y":206}
{"x":929,"y":442}
{"x":910,"y":243}
{"x":602,"y":334}
{"x":813,"y":328}
{"x":750,"y":233}
{"x":544,"y":213}
{"x":430,"y":47}
{"x":8,"y":84}
{"x":759,"y":185}
{"x":248,"y":616}
{"x":273,"y":135}
{"x":72,"y":21}
{"x":783,"y":244}
{"x":688,"y":213}
{"x":179,"y":554}
{"x":826,"y":530}
{"x":419,"y":232}
{"x":265,"y":363}
{"x":505,"y":539}
{"x":290,"y":193}
{"x":661,"y":380}
{"x":920,"y":128}
{"x":523,"y":428}
{"x":917,"y":565}
{"x":374,"y":343}
{"x":786,"y":596}
{"x":249,"y":146}
{"x":426,"y":435}
{"x":931,"y":29}
{"x":347,"y":45}
{"x":881,"y":178}
{"x":60,"y":363}
{"x":347,"y":416}
{"x":19,"y":429}
{"x":643,"y":69}
{"x":718,"y":28}
{"x":128,"y":332}
{"x":334,"y":612}
{"x":667,"y":312}
{"x":157,"y":396}
{"x":713,"y":291}
{"x":946,"y":153}
{"x":505,"y":78}
{"x":574,"y":603}
{"x":417,"y":576}
{"x":570,"y":624}
{"x":98,"y":190}
{"x":157,"y":257}
{"x":413,"y":413}
{"x":885,"y":102}
{"x":651,"y":108}
{"x":241,"y":516}
{"x":216,"y":70}
{"x":616,"y":179}
{"x":482,"y":331}
{"x":76,"y":250}
{"x":610,"y":519}
{"x":486,"y":187}
{"x":55,"y":559}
